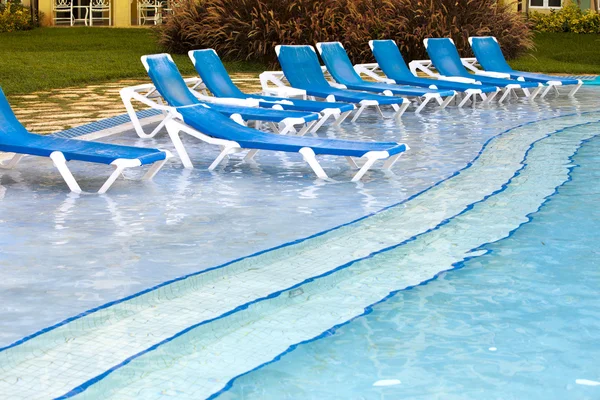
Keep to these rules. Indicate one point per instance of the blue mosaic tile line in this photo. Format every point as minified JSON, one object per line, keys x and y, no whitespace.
{"x":583,"y":77}
{"x":102,"y":124}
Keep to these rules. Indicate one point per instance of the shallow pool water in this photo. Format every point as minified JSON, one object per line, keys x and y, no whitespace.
{"x":63,"y":254}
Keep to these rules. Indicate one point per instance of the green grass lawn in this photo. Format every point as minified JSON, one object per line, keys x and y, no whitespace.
{"x":569,"y":53}
{"x":48,"y":58}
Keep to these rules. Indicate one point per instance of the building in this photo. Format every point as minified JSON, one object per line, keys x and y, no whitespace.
{"x":125,"y":13}
{"x":121,"y":13}
{"x":547,"y":5}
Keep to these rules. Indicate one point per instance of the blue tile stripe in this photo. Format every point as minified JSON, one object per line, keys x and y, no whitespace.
{"x":582,"y":77}
{"x":103,"y":124}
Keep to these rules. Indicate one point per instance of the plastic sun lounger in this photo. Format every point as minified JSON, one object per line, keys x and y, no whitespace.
{"x":216,"y":79}
{"x":282,"y":121}
{"x":446,"y":60}
{"x":14,"y":138}
{"x":489,"y":55}
{"x":392,"y":64}
{"x":341,"y":69}
{"x":202,"y":122}
{"x":301,"y":67}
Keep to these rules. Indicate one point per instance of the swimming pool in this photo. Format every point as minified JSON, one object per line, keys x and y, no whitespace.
{"x":322,"y":252}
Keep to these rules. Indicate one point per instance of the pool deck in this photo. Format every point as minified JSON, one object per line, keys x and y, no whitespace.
{"x":61,"y":109}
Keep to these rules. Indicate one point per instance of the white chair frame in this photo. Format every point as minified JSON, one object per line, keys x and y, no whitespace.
{"x":275,"y":82}
{"x":102,"y":7}
{"x":373,"y":71}
{"x":149,"y":96}
{"x":144,"y":6}
{"x":86,"y":17}
{"x":63,"y":6}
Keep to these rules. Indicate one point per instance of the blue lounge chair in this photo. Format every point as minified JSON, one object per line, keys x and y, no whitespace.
{"x":392,"y":64}
{"x":286,"y":120}
{"x":14,"y":138}
{"x":490,"y":57}
{"x":446,"y":60}
{"x":202,"y":122}
{"x":301,"y":67}
{"x":341,"y":69}
{"x":217,"y":80}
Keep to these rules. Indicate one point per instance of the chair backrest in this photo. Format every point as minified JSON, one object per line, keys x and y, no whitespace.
{"x":63,"y":3}
{"x":213,"y":73}
{"x":489,"y":54}
{"x":390,"y":59}
{"x":104,"y":4}
{"x":445,"y":57}
{"x":301,"y":67}
{"x":10,"y":127}
{"x":168,"y":80}
{"x":147,"y":3}
{"x":338,"y":63}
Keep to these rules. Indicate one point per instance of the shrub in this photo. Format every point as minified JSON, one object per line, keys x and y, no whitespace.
{"x":570,"y":18}
{"x":250,"y":29}
{"x":15,"y":17}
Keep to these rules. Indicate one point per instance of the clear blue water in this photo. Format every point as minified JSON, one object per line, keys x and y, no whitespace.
{"x":521,"y":322}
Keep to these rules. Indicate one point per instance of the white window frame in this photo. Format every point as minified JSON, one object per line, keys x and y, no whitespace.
{"x":545,"y":6}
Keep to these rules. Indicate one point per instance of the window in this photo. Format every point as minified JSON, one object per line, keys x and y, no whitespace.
{"x":545,"y":3}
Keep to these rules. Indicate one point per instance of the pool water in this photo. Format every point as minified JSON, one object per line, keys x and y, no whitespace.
{"x":253,"y":267}
{"x":520,"y":322}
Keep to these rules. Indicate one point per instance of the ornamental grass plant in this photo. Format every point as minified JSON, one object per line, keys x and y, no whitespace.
{"x":249,"y":30}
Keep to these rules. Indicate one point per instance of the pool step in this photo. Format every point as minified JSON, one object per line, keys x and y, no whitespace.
{"x":76,"y":354}
{"x":199,"y":363}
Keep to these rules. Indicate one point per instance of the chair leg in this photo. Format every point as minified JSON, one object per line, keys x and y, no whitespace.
{"x":535,"y":93}
{"x":506,"y":94}
{"x":447,"y":101}
{"x":286,"y":127}
{"x":250,"y":155}
{"x":111,"y":179}
{"x":318,"y":124}
{"x":311,"y":159}
{"x":575,"y":89}
{"x":389,"y":163}
{"x":400,"y":111}
{"x":61,"y":165}
{"x":423,"y":104}
{"x":154,"y":168}
{"x":173,"y":131}
{"x":352,"y":163}
{"x":545,"y":93}
{"x":358,"y":112}
{"x":342,"y":118}
{"x":465,"y":100}
{"x":308,"y":127}
{"x":363,"y":170}
{"x":10,"y":164}
{"x":224,"y":153}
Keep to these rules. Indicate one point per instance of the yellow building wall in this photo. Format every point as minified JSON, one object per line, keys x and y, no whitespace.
{"x":121,"y":13}
{"x":45,"y":7}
